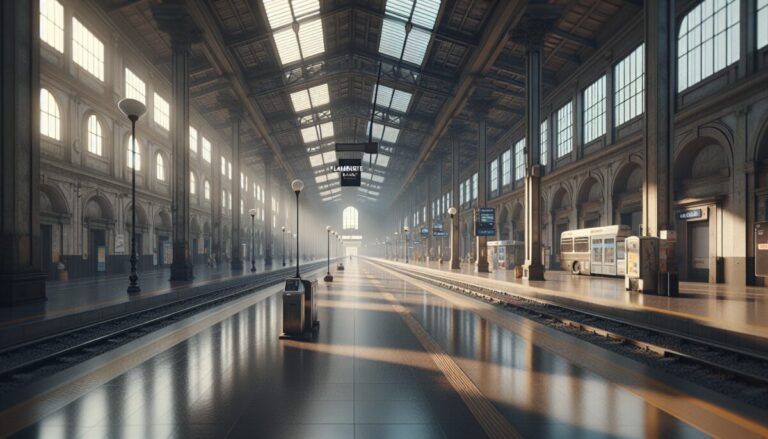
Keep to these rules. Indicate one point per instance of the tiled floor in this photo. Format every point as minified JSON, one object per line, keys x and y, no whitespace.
{"x":369,"y":376}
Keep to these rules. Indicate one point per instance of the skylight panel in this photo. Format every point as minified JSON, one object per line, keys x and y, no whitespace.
{"x":401,"y":100}
{"x":332,"y":176}
{"x":410,"y":47}
{"x":319,"y":95}
{"x":326,"y":130}
{"x":416,"y":46}
{"x":287,"y":46}
{"x":383,"y":95}
{"x":382,"y":160}
{"x":305,"y":8}
{"x":316,"y":160}
{"x":379,"y":178}
{"x":365,"y":175}
{"x":329,"y":157}
{"x":311,"y":98}
{"x":320,"y":179}
{"x":425,"y":13}
{"x":300,"y":101}
{"x":390,"y":135}
{"x":309,"y":134}
{"x":311,"y":38}
{"x":278,"y":12}
{"x":392,"y":38}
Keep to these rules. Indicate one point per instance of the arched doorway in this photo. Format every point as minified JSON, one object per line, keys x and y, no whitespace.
{"x":702,"y":182}
{"x":54,"y":214}
{"x":163,"y":243}
{"x":560,"y":212}
{"x":517,"y":223}
{"x":628,"y":197}
{"x":504,"y":224}
{"x":123,"y":244}
{"x":196,"y":244}
{"x":98,"y":220}
{"x":590,"y":203}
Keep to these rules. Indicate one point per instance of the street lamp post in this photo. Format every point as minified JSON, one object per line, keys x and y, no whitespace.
{"x":297,"y":255}
{"x":297,"y":186}
{"x":283,"y":233}
{"x":454,"y":252}
{"x":253,"y":228}
{"x":133,"y":109}
{"x":405,"y":233}
{"x":396,"y":247}
{"x":328,"y":277}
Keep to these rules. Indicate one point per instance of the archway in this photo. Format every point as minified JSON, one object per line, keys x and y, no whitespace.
{"x":163,"y":244}
{"x":628,"y":197}
{"x":98,"y":219}
{"x":560,"y":212}
{"x":590,"y":203}
{"x":54,"y":214}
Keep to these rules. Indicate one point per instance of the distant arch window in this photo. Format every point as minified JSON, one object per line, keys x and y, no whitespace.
{"x":129,"y":155}
{"x":95,"y":137}
{"x":708,"y":41}
{"x":349,"y":218}
{"x":160,"y":163}
{"x":192,"y":183}
{"x":207,"y":190}
{"x":50,"y":117}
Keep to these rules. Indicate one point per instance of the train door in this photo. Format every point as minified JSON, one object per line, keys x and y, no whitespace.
{"x":621,"y":258}
{"x":98,"y":251}
{"x":596,"y":265}
{"x":609,"y":256}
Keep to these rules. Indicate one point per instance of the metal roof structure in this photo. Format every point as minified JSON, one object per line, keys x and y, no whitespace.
{"x":303,"y":72}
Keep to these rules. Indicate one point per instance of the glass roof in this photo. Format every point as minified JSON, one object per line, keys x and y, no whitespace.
{"x":396,"y":41}
{"x":311,"y":98}
{"x":393,"y":99}
{"x":383,"y":133}
{"x":297,"y":34}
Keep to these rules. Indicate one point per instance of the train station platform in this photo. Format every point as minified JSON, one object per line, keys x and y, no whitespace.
{"x":77,"y":302}
{"x":711,"y":312}
{"x":392,"y":359}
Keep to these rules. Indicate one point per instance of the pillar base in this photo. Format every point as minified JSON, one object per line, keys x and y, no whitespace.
{"x":533,"y":272}
{"x":455,"y":264}
{"x":236,"y":264}
{"x":181,"y":272}
{"x":481,"y":266}
{"x":267,"y":261}
{"x":21,"y":288}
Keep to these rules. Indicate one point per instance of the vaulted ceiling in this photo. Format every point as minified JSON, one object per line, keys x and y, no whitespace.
{"x":303,"y":74}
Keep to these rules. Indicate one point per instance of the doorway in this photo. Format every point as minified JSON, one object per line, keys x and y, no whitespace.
{"x":46,"y":233}
{"x":632,"y":219}
{"x":698,"y":251}
{"x":98,"y":252}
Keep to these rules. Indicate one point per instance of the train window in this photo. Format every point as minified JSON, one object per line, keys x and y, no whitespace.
{"x":581,"y":245}
{"x":609,"y":249}
{"x":566,"y":245}
{"x":620,"y":250}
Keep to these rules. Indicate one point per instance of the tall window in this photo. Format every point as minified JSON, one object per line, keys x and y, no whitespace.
{"x":206,"y":190}
{"x":708,"y":41}
{"x":629,"y":80}
{"x":544,"y":139}
{"x":192,"y":183}
{"x":223,"y":165}
{"x":192,"y":139}
{"x":129,"y":156}
{"x":162,"y":112}
{"x":160,"y":167}
{"x":349,"y":218}
{"x":206,"y":144}
{"x":135,"y":88}
{"x":494,"y":171}
{"x":223,"y":199}
{"x":565,"y":129}
{"x":52,"y":24}
{"x":229,"y":201}
{"x":506,"y":167}
{"x":594,"y":110}
{"x":94,"y":135}
{"x":50,"y":118}
{"x":474,"y":186}
{"x":762,"y":23}
{"x":461,"y":193}
{"x":520,"y":159}
{"x":87,"y":50}
{"x":229,"y":170}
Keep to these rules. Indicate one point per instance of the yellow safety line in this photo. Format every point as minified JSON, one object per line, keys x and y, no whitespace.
{"x":493,"y":423}
{"x":711,"y":418}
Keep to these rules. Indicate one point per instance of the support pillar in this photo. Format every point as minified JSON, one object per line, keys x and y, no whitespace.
{"x":237,"y":260}
{"x":267,"y":212}
{"x":173,"y":18}
{"x":21,"y":276}
{"x":455,"y":170}
{"x":428,"y":219}
{"x":216,"y":201}
{"x":481,"y":107}
{"x":531,"y":33}
{"x":659,"y":40}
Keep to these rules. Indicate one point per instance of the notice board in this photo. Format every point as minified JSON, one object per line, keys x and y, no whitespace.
{"x":761,"y":249}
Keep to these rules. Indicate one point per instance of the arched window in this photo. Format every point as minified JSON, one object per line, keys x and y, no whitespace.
{"x":349,"y":218}
{"x":95,"y":137}
{"x":708,"y":41}
{"x":206,"y":190}
{"x":129,"y":156}
{"x":160,"y":167}
{"x":50,"y":118}
{"x":192,"y":183}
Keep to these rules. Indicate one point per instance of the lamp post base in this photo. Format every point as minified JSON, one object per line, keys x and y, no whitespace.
{"x":328,"y":277}
{"x":133,"y":289}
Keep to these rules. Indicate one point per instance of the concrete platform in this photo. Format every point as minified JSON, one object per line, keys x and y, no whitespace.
{"x":79,"y":302}
{"x":393,"y":359}
{"x":738,"y":319}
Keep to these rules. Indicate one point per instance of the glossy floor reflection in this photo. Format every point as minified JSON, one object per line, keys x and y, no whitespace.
{"x":366,"y":376}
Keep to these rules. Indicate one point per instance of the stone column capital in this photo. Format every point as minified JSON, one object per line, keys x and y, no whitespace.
{"x":536,"y":22}
{"x":172,"y":17}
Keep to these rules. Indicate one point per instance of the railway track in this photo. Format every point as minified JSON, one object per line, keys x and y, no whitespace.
{"x":33,"y":360}
{"x":718,"y":360}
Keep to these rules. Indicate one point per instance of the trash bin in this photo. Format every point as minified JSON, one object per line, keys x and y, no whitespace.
{"x":311,"y":323}
{"x":294,"y":303}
